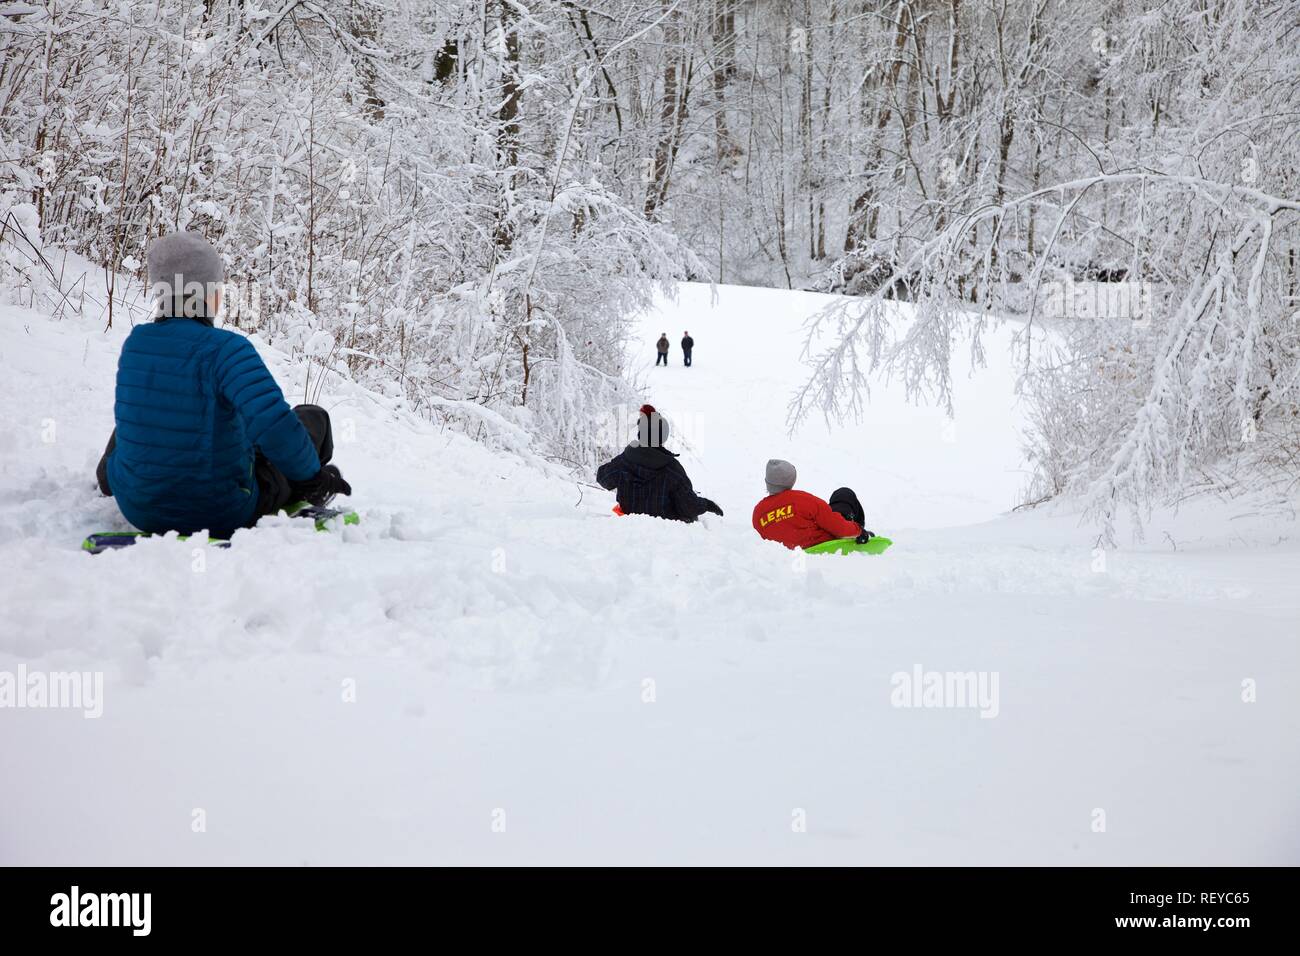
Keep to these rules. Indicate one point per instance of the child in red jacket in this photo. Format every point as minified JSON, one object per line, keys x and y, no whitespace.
{"x":800,"y":520}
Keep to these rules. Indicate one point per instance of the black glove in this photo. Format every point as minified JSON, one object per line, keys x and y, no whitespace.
{"x":712,"y":506}
{"x":865,"y":536}
{"x":327,"y":483}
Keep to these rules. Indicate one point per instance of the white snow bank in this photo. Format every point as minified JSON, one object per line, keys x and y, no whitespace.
{"x":492,"y":668}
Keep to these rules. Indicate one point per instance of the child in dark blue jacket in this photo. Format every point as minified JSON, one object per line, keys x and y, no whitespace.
{"x":204,"y":438}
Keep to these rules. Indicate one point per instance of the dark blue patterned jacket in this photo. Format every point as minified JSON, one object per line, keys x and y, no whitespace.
{"x":651,"y":481}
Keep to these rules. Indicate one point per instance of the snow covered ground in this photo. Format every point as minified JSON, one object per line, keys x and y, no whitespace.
{"x":493,"y":669}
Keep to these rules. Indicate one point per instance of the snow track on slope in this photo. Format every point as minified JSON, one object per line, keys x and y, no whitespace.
{"x":499,"y":626}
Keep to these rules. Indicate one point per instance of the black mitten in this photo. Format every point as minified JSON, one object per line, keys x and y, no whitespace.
{"x":327,"y":483}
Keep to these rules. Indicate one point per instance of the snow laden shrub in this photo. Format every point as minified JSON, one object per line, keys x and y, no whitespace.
{"x":544,"y":335}
{"x":403,"y":193}
{"x":25,"y":273}
{"x":1155,"y":268}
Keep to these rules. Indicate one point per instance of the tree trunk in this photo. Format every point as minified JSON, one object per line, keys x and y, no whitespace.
{"x":508,"y":123}
{"x":672,"y":113}
{"x":365,"y":29}
{"x":863,"y":216}
{"x":823,"y":157}
{"x":724,"y":68}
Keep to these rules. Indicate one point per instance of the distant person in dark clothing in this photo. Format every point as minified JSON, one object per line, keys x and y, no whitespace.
{"x":688,"y":343}
{"x":648,"y":478}
{"x":662,"y":345}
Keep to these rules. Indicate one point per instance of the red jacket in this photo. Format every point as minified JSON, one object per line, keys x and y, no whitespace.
{"x":800,"y":520}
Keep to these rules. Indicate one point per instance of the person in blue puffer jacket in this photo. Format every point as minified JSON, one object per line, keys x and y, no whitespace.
{"x":204,"y":439}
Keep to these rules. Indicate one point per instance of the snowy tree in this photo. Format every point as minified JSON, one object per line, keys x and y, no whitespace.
{"x":410,"y":181}
{"x":1187,"y":196}
{"x":469,"y":200}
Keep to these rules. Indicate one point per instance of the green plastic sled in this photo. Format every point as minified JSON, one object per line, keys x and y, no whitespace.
{"x":102,"y":541}
{"x":876,"y":545}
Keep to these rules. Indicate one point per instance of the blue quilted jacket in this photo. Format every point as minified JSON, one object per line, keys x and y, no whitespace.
{"x":193,"y":403}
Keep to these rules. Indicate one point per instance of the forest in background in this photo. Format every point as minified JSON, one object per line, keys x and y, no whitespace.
{"x":464,"y":201}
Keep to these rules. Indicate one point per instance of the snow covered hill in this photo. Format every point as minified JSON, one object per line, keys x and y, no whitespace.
{"x":492,"y":668}
{"x":911,"y":465}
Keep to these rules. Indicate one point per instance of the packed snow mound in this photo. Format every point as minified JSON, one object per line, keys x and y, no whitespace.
{"x":492,"y":668}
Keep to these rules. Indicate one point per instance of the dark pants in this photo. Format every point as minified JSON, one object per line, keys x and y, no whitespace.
{"x":686,"y":356}
{"x":845,"y":504}
{"x":274,"y":490}
{"x":662,"y":359}
{"x":101,"y":470}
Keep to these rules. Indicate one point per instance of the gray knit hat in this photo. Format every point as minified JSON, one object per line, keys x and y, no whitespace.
{"x":780,"y":476}
{"x":184,"y":269}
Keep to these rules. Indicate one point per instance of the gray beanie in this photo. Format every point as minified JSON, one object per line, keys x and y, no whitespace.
{"x":183,"y":271}
{"x":780,"y":476}
{"x":651,"y":428}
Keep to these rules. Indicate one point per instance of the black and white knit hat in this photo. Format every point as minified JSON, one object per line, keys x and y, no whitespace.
{"x":651,"y":428}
